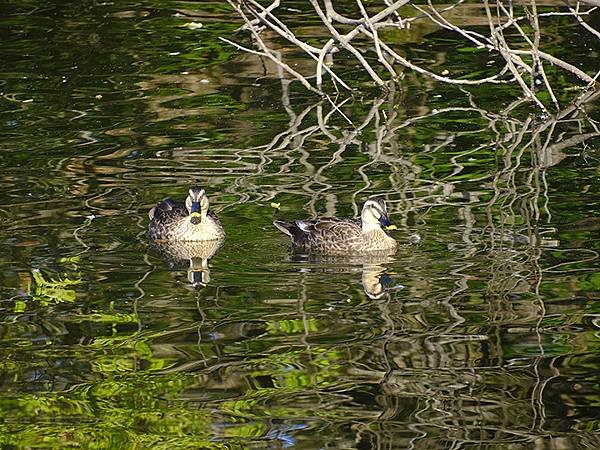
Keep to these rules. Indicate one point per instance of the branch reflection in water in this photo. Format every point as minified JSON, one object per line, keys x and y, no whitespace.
{"x":422,"y":359}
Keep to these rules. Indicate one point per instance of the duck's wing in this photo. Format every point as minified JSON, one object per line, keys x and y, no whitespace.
{"x":330,"y":229}
{"x":320,"y":230}
{"x":167,"y":207}
{"x":327,"y":225}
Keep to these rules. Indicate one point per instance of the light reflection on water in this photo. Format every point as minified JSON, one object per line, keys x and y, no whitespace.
{"x":484,"y":335}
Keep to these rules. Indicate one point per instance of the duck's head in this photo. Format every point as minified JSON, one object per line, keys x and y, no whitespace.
{"x":196,"y":204}
{"x":374,"y":214}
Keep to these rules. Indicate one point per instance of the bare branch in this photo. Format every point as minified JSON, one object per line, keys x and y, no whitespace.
{"x":359,"y":33}
{"x":346,"y":44}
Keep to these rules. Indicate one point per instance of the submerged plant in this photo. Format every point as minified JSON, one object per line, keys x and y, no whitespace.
{"x":52,"y":291}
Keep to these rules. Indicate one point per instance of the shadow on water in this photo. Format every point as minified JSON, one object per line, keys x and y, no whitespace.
{"x":485,"y":335}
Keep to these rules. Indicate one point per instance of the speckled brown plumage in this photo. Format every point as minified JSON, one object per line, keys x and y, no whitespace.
{"x":173,"y":221}
{"x":342,"y":236}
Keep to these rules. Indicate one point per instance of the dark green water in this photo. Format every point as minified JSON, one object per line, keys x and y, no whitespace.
{"x":483,"y":336}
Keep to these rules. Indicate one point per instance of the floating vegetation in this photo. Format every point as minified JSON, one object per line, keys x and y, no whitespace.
{"x":52,"y":291}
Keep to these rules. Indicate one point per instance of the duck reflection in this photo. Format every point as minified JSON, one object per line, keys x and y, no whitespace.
{"x":193,"y":254}
{"x":376,"y":282}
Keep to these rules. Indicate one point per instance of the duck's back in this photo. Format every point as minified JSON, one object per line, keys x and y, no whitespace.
{"x":336,"y":236}
{"x":164,"y":217}
{"x":329,"y":235}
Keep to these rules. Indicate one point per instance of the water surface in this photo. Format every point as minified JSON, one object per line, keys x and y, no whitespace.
{"x":483,"y":335}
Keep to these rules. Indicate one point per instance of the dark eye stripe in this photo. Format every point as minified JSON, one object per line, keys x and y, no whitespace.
{"x":377,"y":207}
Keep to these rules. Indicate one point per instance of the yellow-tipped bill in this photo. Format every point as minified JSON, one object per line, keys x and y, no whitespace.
{"x":195,"y":216}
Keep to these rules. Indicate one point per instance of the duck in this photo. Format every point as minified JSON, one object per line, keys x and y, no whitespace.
{"x":189,"y":220}
{"x":343,"y":236}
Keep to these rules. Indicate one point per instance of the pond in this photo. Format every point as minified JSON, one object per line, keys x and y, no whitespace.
{"x":482,"y":330}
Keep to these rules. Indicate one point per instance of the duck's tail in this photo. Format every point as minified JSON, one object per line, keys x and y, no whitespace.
{"x":291,"y":229}
{"x":165,"y":205}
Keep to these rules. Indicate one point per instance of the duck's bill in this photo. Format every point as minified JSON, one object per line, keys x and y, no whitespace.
{"x":384,"y":220}
{"x":195,"y":215}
